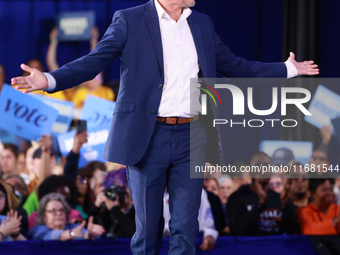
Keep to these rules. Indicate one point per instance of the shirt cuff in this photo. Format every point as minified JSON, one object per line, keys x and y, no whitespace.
{"x":51,"y":82}
{"x":291,"y":69}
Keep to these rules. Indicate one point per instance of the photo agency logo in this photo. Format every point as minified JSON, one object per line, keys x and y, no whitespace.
{"x":238,"y":105}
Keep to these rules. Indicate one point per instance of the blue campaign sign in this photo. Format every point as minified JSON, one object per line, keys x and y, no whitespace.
{"x":97,"y":111}
{"x":302,"y":150}
{"x":24,"y":115}
{"x":92,"y":150}
{"x":65,"y":113}
{"x":325,"y":106}
{"x":75,"y":26}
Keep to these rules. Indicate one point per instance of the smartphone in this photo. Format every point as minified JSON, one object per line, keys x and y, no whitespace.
{"x":81,"y":126}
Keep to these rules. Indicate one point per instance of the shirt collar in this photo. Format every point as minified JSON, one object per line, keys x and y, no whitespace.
{"x":161,"y":12}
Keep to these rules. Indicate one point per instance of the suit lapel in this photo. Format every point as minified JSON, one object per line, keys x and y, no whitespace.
{"x":153,"y":24}
{"x":196,"y":34}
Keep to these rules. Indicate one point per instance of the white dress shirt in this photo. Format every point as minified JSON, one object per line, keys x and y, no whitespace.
{"x":180,"y":62}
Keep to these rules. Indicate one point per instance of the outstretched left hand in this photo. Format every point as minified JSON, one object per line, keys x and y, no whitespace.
{"x":305,"y":67}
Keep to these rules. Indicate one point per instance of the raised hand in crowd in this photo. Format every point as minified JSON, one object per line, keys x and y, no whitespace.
{"x":51,"y":56}
{"x":79,"y":140}
{"x":326,"y":134}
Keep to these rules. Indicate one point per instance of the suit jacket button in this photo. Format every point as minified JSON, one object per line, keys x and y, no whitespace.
{"x":153,"y":112}
{"x":160,"y":86}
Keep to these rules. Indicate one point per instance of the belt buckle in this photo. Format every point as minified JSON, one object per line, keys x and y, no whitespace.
{"x":164,"y":121}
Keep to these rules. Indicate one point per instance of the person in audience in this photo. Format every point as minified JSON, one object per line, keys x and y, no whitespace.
{"x":283,"y":157}
{"x":9,"y":158}
{"x":211,"y":185}
{"x":21,"y":167}
{"x":86,"y":197}
{"x":322,"y":215}
{"x":97,"y":182}
{"x":112,"y":208}
{"x":205,"y":221}
{"x":10,"y":227}
{"x":51,"y":56}
{"x":55,"y":184}
{"x":93,"y":87}
{"x":52,"y":223}
{"x":319,"y":158}
{"x":294,"y":196}
{"x":19,"y":186}
{"x":226,"y":189}
{"x":72,"y":159}
{"x":8,"y":202}
{"x":276,"y":183}
{"x":30,"y":168}
{"x":254,"y":209}
{"x":337,"y":190}
{"x":212,"y":189}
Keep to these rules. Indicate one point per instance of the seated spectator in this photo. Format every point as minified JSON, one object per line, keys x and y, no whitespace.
{"x":52,"y":223}
{"x":54,"y":184}
{"x":10,"y":227}
{"x":112,"y":208}
{"x":20,"y":187}
{"x":321,"y":216}
{"x":205,"y":221}
{"x":9,"y":158}
{"x":8,"y":202}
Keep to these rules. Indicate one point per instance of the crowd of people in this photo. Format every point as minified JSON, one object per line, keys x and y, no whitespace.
{"x":43,"y":199}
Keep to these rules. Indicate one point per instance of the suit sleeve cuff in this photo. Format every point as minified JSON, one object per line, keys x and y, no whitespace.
{"x":51,"y":82}
{"x":291,"y":69}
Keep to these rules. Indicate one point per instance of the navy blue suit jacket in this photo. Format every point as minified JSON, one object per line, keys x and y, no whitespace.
{"x":134,"y":35}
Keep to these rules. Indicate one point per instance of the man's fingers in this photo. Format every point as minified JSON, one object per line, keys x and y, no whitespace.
{"x":26,"y":68}
{"x":29,"y":91}
{"x":19,"y":80}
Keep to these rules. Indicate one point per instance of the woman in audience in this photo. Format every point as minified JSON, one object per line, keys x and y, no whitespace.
{"x":321,"y":216}
{"x":64,"y":186}
{"x":8,"y":202}
{"x":52,"y":222}
{"x":86,"y":197}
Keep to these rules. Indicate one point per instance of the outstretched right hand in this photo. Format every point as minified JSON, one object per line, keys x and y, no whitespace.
{"x":35,"y":81}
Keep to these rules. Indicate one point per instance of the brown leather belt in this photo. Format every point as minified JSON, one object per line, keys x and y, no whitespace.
{"x":177,"y":120}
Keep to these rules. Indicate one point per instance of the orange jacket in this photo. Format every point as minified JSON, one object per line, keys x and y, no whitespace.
{"x":314,"y":222}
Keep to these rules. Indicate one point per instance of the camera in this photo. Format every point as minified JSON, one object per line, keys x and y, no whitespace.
{"x":113,"y":191}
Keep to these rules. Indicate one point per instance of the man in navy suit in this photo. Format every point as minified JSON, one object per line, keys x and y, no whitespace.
{"x":162,"y":44}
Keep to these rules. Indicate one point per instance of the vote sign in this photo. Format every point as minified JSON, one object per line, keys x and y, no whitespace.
{"x":25,"y":116}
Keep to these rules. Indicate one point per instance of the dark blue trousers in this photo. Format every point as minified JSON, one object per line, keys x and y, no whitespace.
{"x":167,"y":163}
